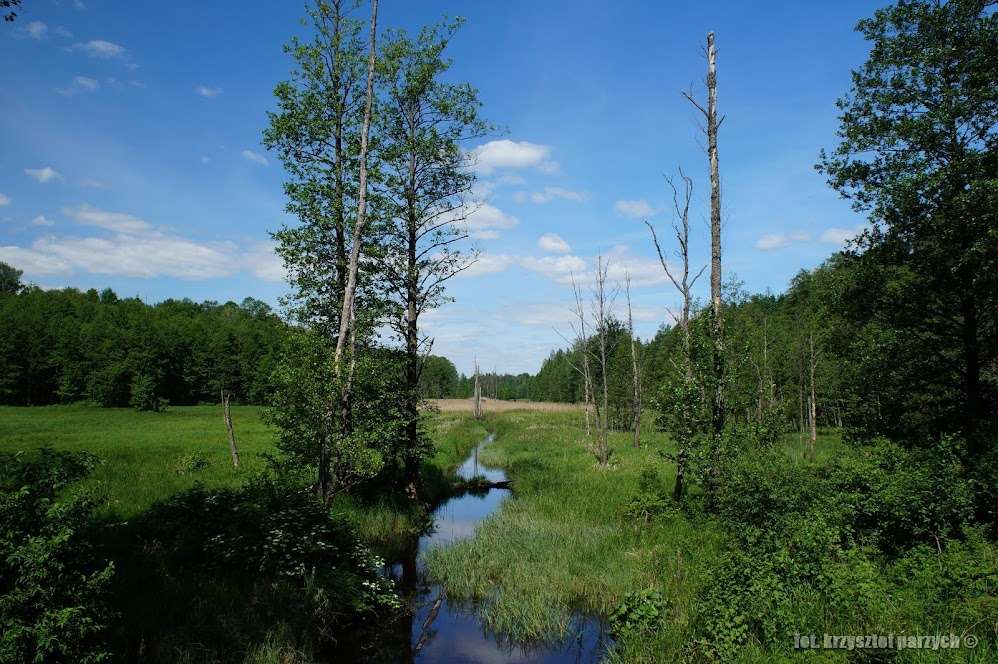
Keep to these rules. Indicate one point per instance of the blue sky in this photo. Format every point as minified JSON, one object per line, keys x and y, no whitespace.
{"x":131,"y":150}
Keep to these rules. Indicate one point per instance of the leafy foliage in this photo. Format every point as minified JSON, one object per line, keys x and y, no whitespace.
{"x":640,"y":611}
{"x":66,"y":346}
{"x":52,"y":585}
{"x":918,"y":152}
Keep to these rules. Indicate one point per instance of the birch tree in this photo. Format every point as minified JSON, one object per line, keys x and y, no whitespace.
{"x":314,"y":132}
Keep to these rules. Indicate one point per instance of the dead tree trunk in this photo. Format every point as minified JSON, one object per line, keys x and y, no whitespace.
{"x":712,"y":123}
{"x":227,"y":416}
{"x":715,"y":236}
{"x":635,"y":367}
{"x":477,"y":396}
{"x":602,"y":303}
{"x":684,"y":284}
{"x":582,"y":339}
{"x":812,"y":365}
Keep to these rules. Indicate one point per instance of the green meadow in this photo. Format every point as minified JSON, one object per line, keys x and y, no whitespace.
{"x":145,"y":456}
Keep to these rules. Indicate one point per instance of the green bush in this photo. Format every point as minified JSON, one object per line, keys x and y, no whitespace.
{"x":144,"y":396}
{"x":651,"y":500}
{"x":192,"y":462}
{"x":878,"y":541}
{"x":642,"y":611}
{"x":267,"y":528}
{"x":52,"y":586}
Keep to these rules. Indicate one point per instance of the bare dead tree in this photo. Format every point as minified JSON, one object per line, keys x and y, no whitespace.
{"x":712,"y":124}
{"x":478,"y":395}
{"x":602,"y":304}
{"x":227,"y":416}
{"x":812,"y":366}
{"x":635,"y":366}
{"x":582,"y":341}
{"x":684,"y":284}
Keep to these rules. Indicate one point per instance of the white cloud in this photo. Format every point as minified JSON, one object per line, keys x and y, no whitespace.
{"x":553,"y":243}
{"x":507,"y":154}
{"x":92,"y":183}
{"x":62,"y":32}
{"x":81,"y":84}
{"x":206,"y":91}
{"x":4,"y":200}
{"x":264,"y":262}
{"x":559,"y":315}
{"x":618,"y":264}
{"x":35,"y":263}
{"x":484,"y":220}
{"x":132,"y":247}
{"x":42,"y":220}
{"x":99,"y":48}
{"x":840,"y":236}
{"x":487,"y":264}
{"x":205,"y":159}
{"x":772,"y":241}
{"x":36,"y":30}
{"x":118,"y":222}
{"x":150,"y":254}
{"x":249,"y":155}
{"x":559,"y":268}
{"x":637,"y":208}
{"x":550,"y":193}
{"x":44,"y":174}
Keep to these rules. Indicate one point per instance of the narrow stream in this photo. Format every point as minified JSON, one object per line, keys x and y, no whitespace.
{"x":442,"y":632}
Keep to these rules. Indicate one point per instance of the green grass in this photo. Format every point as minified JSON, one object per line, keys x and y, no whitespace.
{"x":142,"y":452}
{"x":142,"y":462}
{"x":563,"y":543}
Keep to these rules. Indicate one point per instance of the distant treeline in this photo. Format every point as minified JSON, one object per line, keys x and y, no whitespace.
{"x":60,"y":346}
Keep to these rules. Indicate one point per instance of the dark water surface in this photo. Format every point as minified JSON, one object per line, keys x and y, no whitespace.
{"x":442,"y":632}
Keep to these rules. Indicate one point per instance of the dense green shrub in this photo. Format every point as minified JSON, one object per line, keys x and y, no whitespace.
{"x":641,"y":611}
{"x":878,"y":540}
{"x":52,"y":586}
{"x":651,"y":500}
{"x":266,"y":529}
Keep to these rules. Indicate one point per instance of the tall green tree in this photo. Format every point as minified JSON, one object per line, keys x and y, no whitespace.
{"x":320,"y":133}
{"x":426,"y":183}
{"x":315,"y":133}
{"x":10,"y":279}
{"x":918,"y":154}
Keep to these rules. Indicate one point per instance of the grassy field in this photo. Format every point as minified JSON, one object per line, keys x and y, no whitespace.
{"x":145,"y":456}
{"x":564,"y":543}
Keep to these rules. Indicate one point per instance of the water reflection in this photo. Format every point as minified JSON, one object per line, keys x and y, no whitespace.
{"x":438,"y":631}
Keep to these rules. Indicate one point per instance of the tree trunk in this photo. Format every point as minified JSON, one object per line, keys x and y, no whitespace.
{"x":812,"y":449}
{"x":715,"y":237}
{"x":358,"y":234}
{"x":411,"y":470}
{"x":635,"y":370}
{"x":972,"y":374}
{"x":227,"y":416}
{"x":477,"y":397}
